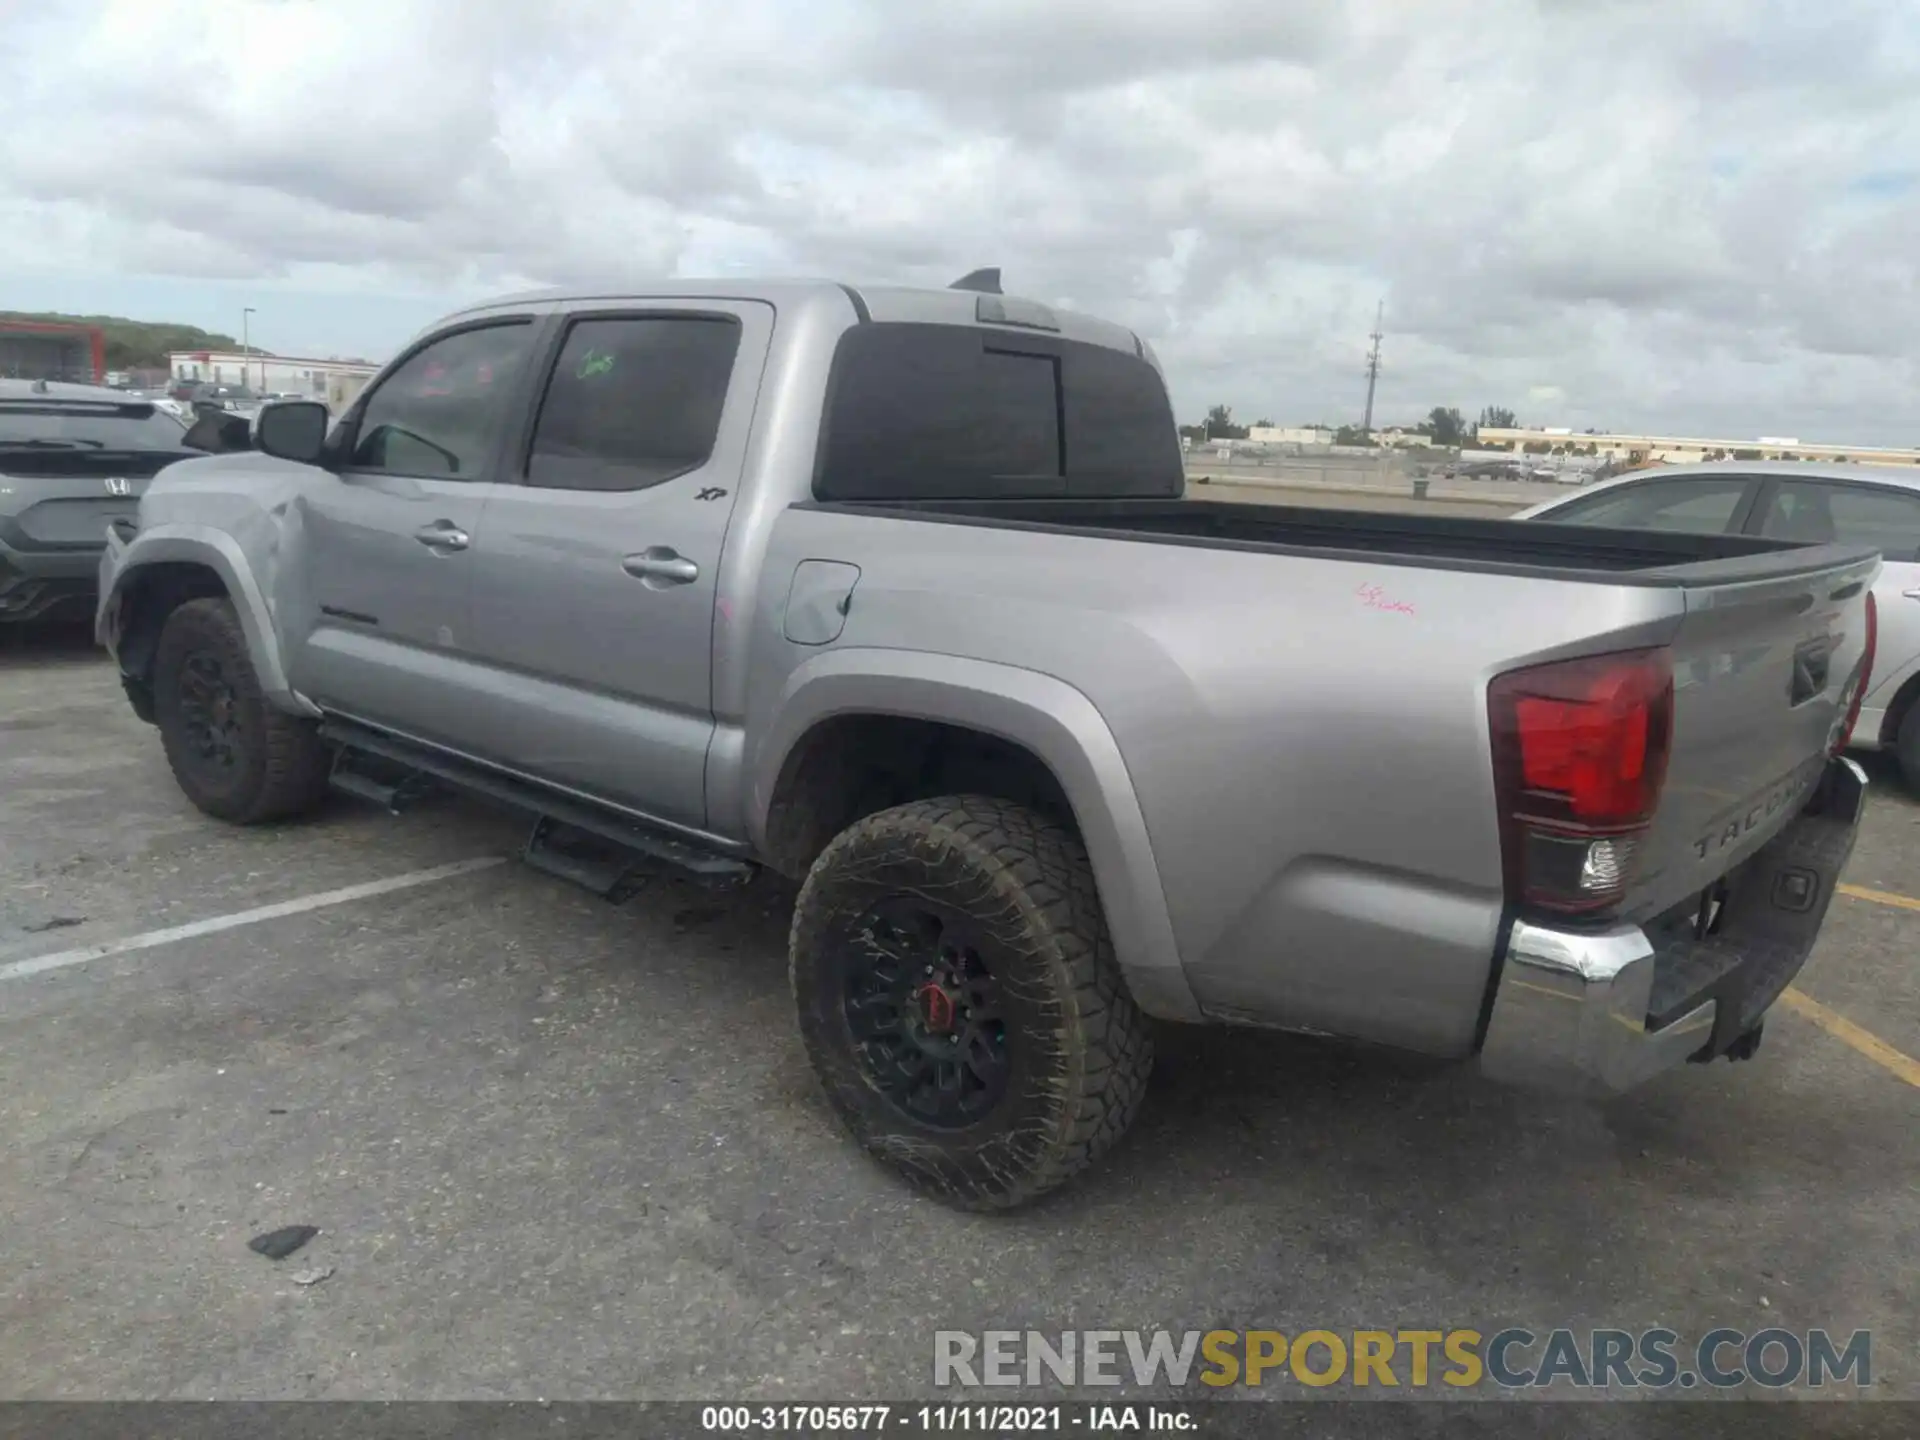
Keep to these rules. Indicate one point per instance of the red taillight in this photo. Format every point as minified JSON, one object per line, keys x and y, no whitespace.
{"x":1862,"y":678}
{"x":1580,"y":753}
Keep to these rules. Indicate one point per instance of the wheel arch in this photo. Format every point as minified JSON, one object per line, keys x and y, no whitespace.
{"x":815,"y":769}
{"x":165,"y":567}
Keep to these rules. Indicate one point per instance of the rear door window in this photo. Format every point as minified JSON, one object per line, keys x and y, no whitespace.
{"x":633,"y":401}
{"x":1706,"y":505}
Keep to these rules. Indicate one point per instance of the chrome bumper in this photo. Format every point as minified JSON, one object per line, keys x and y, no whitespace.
{"x":1572,"y":1008}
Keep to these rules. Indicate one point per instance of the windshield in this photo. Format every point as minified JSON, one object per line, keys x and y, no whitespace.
{"x":136,"y":426}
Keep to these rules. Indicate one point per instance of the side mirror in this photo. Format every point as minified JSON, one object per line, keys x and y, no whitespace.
{"x":292,"y":430}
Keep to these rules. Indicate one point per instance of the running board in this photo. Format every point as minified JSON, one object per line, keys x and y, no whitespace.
{"x":588,"y":860}
{"x":578,"y":841}
{"x":392,"y":791}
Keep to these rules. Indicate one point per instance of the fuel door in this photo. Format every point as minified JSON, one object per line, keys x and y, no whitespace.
{"x":818,"y":601}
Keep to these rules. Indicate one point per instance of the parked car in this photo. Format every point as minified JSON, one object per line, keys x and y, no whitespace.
{"x":896,"y":593}
{"x":1491,"y":470}
{"x":197,"y":394}
{"x":73,"y":458}
{"x":1874,"y":505}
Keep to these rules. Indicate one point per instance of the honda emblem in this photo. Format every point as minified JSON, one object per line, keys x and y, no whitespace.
{"x":119,"y":485}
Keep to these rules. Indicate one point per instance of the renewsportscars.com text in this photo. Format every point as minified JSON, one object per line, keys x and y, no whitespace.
{"x":1513,"y":1358}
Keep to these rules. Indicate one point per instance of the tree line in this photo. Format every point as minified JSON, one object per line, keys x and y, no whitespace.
{"x":135,"y":344}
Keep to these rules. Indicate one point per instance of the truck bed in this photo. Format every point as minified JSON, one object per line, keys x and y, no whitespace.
{"x":1618,"y":557}
{"x":1303,"y":689}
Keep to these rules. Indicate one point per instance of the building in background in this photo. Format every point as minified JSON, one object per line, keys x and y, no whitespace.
{"x":1289,"y":435}
{"x":334,"y":381}
{"x":1392,"y":437}
{"x":46,"y":350}
{"x":140,"y":377}
{"x":1680,"y":450}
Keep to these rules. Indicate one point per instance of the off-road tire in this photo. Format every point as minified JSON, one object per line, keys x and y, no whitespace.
{"x":1906,"y":748}
{"x":281,"y":766}
{"x":1079,"y":1050}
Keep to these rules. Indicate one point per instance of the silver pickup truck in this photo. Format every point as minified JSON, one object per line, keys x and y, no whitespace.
{"x":897,"y":593}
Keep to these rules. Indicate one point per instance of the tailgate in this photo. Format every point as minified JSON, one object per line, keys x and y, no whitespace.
{"x":1761,"y":671}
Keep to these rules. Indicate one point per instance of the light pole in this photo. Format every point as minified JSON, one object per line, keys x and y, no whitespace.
{"x":246,"y":350}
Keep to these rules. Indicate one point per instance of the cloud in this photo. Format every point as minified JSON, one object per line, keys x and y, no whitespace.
{"x":1656,"y":214}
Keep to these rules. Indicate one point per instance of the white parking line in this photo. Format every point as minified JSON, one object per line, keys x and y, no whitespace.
{"x":40,"y":964}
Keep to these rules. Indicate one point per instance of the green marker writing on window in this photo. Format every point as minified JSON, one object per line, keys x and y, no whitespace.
{"x":593,"y":363}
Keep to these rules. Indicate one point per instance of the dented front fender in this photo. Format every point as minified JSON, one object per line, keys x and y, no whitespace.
{"x":237,"y":541}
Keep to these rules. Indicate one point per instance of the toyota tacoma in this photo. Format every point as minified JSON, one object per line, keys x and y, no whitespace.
{"x":897,"y":592}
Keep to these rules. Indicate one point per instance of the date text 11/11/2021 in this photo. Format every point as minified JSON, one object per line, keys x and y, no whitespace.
{"x":944,"y":1419}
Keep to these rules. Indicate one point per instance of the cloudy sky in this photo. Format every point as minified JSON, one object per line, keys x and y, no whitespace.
{"x":1699,"y":216}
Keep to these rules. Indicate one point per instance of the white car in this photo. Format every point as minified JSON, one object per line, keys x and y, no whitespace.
{"x":1857,"y":504}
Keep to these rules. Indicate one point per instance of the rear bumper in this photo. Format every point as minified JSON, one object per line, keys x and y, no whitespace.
{"x":37,"y":583}
{"x":1598,"y":1012}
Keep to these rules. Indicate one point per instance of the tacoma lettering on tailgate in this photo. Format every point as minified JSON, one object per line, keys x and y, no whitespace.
{"x":1739,"y":823}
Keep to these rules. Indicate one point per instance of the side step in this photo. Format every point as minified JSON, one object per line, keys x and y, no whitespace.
{"x":599,"y":849}
{"x":386,"y":783}
{"x":588,"y":860}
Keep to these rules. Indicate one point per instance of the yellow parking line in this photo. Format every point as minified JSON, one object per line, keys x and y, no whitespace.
{"x":1848,"y":1033}
{"x":1881,"y":897}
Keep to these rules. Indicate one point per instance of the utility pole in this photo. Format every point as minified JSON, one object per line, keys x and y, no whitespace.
{"x":246,"y":357}
{"x":1373,"y":366}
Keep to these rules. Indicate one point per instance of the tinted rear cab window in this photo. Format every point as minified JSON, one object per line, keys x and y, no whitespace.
{"x":952,"y":412}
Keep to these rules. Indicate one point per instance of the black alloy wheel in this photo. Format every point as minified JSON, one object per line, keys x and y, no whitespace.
{"x":959,"y":998}
{"x":234,"y":754}
{"x":209,"y":711}
{"x":924,"y":1011}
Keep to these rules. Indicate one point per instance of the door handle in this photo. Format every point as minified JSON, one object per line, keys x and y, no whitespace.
{"x":1913,"y":594}
{"x":443,"y":535}
{"x":659,"y":566}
